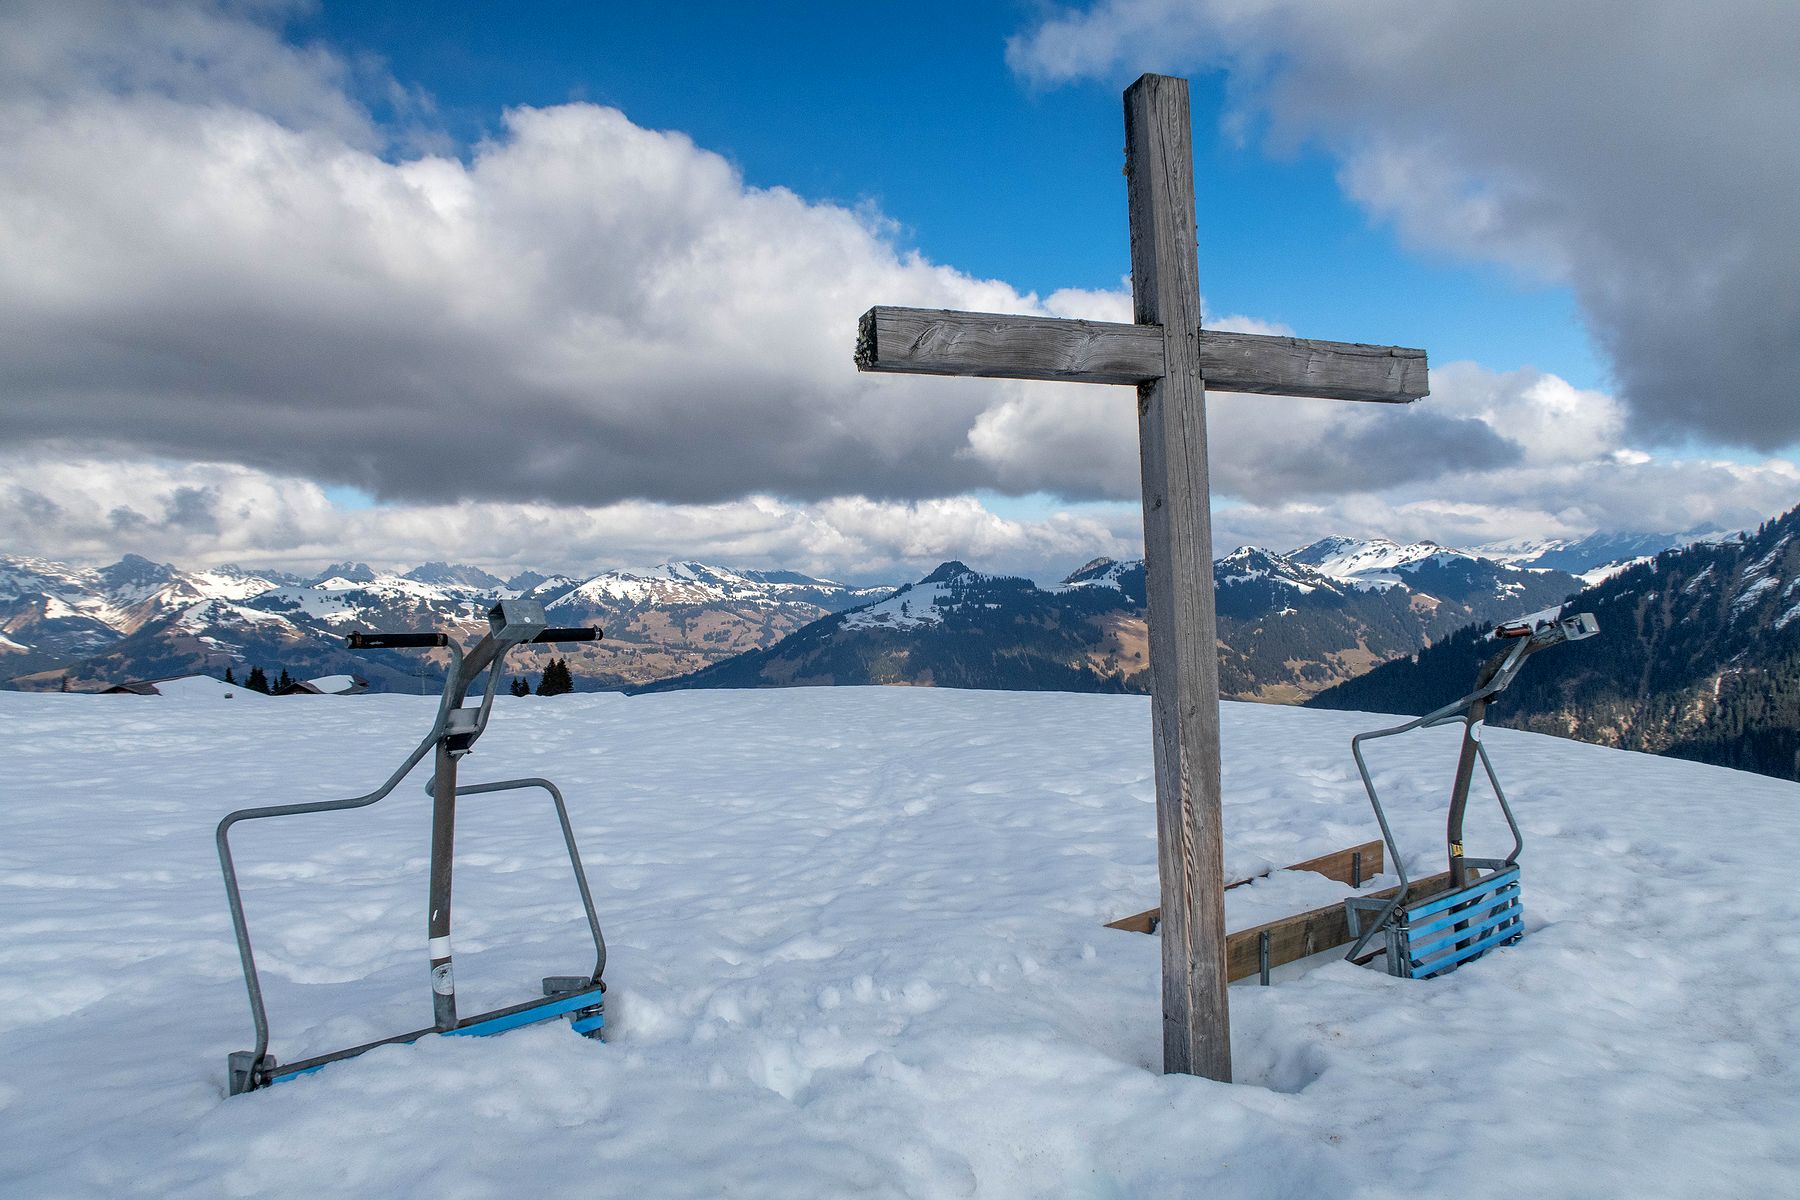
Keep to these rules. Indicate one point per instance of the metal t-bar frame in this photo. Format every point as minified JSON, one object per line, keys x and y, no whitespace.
{"x":453,"y":733}
{"x":1528,"y":635}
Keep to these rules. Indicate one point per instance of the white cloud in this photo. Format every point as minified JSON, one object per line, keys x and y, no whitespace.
{"x":1644,"y":154}
{"x":71,"y":507}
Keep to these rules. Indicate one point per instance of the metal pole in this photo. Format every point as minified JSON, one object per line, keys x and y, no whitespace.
{"x":443,"y":851}
{"x":1459,"y":791}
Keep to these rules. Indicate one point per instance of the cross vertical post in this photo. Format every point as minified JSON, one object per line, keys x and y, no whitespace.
{"x":1184,"y":658}
{"x":1169,"y":359}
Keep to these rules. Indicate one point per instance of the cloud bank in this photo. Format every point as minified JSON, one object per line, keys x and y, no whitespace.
{"x":584,"y":343}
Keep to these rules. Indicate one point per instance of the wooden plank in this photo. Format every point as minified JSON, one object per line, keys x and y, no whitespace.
{"x":1288,"y":366}
{"x":1342,"y":865}
{"x":935,"y":341}
{"x":1303,"y":934}
{"x":1339,"y":865}
{"x":925,"y":341}
{"x":1184,"y":656}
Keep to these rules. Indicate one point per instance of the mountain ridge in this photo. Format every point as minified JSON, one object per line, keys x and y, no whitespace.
{"x":1698,"y":657}
{"x":1287,"y":629}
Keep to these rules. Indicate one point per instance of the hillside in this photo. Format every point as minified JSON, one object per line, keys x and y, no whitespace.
{"x":1289,"y":625}
{"x":857,"y":950}
{"x":1699,"y":657}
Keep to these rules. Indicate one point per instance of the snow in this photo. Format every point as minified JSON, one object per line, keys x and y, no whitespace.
{"x":1751,"y":593}
{"x":332,"y":684}
{"x":57,"y":609}
{"x":1108,"y":578}
{"x":228,"y":584}
{"x":1768,"y":560}
{"x":856,"y":949}
{"x":222,"y":612}
{"x":1247,"y":564}
{"x":911,"y":607}
{"x":200,"y":688}
{"x":1374,"y":561}
{"x":1600,"y":575}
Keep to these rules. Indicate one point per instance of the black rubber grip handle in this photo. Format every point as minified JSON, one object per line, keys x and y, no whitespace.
{"x":592,"y":634}
{"x":358,"y":640}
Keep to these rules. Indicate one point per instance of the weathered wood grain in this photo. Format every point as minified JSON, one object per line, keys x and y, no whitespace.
{"x":936,"y":341}
{"x":1184,"y":658}
{"x":1303,"y":934}
{"x":1339,"y":865}
{"x":1289,"y":366}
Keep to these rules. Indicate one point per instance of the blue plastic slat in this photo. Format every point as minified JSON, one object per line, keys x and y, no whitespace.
{"x":1477,"y":889}
{"x":1505,"y":897}
{"x":529,"y":1016}
{"x":1420,"y":948}
{"x":587,"y":1026}
{"x":1438,"y":966}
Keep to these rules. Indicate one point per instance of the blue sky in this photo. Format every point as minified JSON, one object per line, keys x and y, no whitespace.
{"x":922,"y":117}
{"x":574,"y":286}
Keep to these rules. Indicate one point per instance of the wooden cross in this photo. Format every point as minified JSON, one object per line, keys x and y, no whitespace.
{"x":1170,"y":360}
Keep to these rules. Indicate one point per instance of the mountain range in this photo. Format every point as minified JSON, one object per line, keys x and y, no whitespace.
{"x":1289,"y":624}
{"x":137,"y":619}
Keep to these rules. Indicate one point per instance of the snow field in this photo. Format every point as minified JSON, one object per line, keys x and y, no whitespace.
{"x":856,"y":948}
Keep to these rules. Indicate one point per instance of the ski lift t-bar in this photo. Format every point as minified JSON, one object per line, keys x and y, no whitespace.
{"x":453,"y":734}
{"x":1524,"y":637}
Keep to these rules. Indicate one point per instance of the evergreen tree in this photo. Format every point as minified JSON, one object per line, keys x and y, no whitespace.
{"x":256,"y":681}
{"x":556,"y":680}
{"x":229,"y":677}
{"x":520,"y":687}
{"x":285,"y":681}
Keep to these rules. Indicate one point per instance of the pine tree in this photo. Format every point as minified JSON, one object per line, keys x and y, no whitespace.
{"x":229,"y":678}
{"x":256,"y":681}
{"x":556,"y":680}
{"x":520,"y":687}
{"x":285,"y":681}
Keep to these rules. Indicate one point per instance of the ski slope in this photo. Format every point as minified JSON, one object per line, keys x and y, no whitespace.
{"x":856,"y":949}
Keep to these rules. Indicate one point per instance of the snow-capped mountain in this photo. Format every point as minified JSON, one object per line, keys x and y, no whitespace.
{"x":1369,"y":563}
{"x":1597,"y":556}
{"x":1698,"y":656}
{"x":928,"y":602}
{"x":138,"y":619}
{"x":1287,"y":628}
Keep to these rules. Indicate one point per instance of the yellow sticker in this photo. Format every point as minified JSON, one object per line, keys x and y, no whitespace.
{"x":1456,"y":849}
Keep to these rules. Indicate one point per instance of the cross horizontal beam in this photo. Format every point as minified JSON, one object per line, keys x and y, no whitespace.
{"x":931,"y":341}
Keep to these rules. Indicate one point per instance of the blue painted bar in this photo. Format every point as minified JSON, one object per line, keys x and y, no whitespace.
{"x":1467,"y":913}
{"x":1421,"y":949}
{"x":528,"y":1016}
{"x":1427,"y":970}
{"x":1477,"y":889}
{"x":1505,"y":898}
